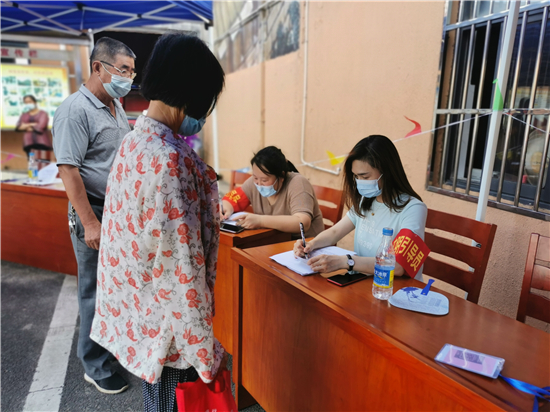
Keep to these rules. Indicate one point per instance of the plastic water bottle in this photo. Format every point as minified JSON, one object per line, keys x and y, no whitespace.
{"x":33,"y":168}
{"x":382,"y":285}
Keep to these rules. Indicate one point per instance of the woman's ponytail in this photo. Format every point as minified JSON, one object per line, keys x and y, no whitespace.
{"x":271,"y":161}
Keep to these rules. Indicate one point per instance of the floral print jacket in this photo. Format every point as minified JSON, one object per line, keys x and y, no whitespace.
{"x":158,"y":253}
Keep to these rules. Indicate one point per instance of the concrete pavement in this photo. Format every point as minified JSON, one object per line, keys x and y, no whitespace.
{"x":35,"y":339}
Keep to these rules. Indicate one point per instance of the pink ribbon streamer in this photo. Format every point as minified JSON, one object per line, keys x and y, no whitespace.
{"x":417,"y":129}
{"x":8,"y":157}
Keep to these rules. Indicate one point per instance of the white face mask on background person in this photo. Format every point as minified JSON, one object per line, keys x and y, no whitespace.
{"x":119,"y":86}
{"x":27,"y":107}
{"x":368,"y":188}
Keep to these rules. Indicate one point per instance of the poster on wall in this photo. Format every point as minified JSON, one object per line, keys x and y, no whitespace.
{"x":49,"y":85}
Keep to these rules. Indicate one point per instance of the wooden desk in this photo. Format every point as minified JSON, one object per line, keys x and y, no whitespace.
{"x":35,"y":229}
{"x":308,"y":345}
{"x":223,"y":320}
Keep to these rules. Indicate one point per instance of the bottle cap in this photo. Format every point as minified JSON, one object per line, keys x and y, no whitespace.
{"x":387,"y":231}
{"x":31,"y":153}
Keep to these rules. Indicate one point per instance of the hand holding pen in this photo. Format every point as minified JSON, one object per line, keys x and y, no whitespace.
{"x":226,"y":209}
{"x":303,"y":238}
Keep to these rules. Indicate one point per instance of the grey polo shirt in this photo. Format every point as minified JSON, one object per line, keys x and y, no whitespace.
{"x":86,"y":135}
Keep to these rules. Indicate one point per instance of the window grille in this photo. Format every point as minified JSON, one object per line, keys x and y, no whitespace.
{"x":472,"y":41}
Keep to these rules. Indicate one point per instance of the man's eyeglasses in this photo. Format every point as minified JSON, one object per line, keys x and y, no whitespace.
{"x":123,"y":73}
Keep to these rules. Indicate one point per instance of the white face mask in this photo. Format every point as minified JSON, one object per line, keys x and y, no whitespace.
{"x":27,"y":107}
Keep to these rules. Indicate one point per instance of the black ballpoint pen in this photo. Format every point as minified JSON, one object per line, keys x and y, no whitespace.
{"x":303,"y":238}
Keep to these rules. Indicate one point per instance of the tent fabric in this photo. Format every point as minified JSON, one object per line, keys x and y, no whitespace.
{"x":76,"y":17}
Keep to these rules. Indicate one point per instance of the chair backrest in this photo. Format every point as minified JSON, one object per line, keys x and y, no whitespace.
{"x":475,"y":256}
{"x":536,"y":276}
{"x":331,"y":203}
{"x":237,"y":179}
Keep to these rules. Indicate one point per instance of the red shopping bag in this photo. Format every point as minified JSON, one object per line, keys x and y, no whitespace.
{"x":200,"y":397}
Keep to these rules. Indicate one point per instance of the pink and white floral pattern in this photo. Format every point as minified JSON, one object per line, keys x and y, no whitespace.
{"x":158,"y":253}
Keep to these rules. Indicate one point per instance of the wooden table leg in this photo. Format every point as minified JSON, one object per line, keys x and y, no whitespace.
{"x":242,"y":397}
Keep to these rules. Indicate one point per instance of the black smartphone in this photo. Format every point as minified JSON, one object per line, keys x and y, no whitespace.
{"x":227,"y":227}
{"x":347,"y":278}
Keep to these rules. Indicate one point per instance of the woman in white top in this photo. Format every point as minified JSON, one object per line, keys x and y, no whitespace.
{"x":378,"y":194}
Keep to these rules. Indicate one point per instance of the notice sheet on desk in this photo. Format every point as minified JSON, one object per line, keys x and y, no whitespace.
{"x":300,"y":266}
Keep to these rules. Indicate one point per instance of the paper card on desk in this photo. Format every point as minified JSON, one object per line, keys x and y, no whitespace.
{"x":300,"y":265}
{"x":46,"y":176}
{"x":40,"y":183}
{"x":411,"y":298}
{"x":470,"y":360}
{"x":233,"y":219}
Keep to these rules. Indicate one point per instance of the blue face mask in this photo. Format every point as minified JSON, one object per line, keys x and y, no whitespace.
{"x":119,"y":86}
{"x":191,"y":126}
{"x":368,"y":188}
{"x":266,"y":191}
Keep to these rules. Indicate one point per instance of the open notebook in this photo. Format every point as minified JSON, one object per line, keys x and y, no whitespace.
{"x":300,"y":266}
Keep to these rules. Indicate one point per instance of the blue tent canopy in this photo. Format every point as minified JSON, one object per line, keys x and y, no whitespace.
{"x":78,"y":17}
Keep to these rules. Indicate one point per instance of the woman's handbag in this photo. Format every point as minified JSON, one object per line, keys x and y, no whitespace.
{"x":201,"y":397}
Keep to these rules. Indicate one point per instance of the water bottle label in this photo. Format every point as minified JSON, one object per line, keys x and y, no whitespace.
{"x":33,"y":173}
{"x":383,"y":276}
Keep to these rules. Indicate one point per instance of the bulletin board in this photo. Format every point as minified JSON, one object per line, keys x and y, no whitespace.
{"x":49,"y":85}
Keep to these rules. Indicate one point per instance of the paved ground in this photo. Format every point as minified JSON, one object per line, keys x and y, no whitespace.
{"x":30,"y":331}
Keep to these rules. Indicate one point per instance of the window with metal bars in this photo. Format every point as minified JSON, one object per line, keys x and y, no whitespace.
{"x":472,"y":42}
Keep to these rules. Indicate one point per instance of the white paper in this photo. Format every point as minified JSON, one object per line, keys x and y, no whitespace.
{"x":46,"y":176}
{"x":233,"y":219}
{"x":39,"y":183}
{"x":48,"y":173}
{"x":300,"y":266}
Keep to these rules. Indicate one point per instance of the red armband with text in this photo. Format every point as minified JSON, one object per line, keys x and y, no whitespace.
{"x":410,"y":251}
{"x":238,"y":199}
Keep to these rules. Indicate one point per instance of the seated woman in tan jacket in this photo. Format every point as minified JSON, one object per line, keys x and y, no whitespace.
{"x":280,"y":197}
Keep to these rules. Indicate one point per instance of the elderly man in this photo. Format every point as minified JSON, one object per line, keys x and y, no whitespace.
{"x":87,"y":130}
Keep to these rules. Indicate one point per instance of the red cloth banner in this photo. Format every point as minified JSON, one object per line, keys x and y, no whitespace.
{"x":238,"y":200}
{"x":410,"y":251}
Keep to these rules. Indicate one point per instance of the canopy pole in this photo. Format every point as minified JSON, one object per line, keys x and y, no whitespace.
{"x":496,"y":117}
{"x":214,"y":112}
{"x":90,"y":35}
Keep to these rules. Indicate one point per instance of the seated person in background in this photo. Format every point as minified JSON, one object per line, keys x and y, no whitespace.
{"x":280,"y":196}
{"x":378,"y":195}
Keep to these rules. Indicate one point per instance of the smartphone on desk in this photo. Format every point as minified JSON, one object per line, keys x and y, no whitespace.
{"x":347,"y":278}
{"x":228,"y":227}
